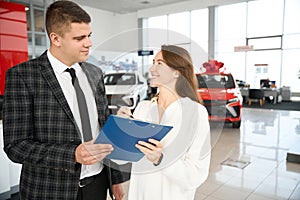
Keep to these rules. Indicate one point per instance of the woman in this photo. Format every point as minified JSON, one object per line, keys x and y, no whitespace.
{"x":174,"y":167}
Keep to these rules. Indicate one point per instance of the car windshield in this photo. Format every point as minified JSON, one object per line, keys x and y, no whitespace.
{"x":119,"y":79}
{"x":215,"y":81}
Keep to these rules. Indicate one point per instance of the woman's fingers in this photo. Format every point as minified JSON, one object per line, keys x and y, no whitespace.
{"x":152,"y":149}
{"x":124,"y":112}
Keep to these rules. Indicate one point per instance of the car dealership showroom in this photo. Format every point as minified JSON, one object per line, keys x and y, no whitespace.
{"x":252,"y":92}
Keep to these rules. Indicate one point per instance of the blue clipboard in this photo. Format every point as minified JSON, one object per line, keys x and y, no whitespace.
{"x":124,"y":133}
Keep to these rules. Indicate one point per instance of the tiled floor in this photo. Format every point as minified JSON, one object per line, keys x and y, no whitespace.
{"x":263,"y":139}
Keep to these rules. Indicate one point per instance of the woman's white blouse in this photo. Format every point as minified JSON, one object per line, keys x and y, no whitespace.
{"x":186,"y":160}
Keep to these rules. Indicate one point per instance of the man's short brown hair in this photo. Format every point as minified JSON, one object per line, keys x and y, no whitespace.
{"x":61,"y":14}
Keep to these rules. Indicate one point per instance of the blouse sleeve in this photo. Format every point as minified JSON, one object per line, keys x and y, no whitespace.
{"x":192,"y":168}
{"x":141,"y":109}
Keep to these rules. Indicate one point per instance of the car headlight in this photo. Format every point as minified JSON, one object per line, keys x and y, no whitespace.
{"x":233,"y":100}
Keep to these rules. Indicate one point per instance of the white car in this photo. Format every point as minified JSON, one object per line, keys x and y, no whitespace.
{"x":124,"y":89}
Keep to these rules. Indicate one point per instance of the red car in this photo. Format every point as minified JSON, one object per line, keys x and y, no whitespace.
{"x":221,"y":96}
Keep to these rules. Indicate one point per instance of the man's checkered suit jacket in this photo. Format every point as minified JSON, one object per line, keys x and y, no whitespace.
{"x":40,"y":131}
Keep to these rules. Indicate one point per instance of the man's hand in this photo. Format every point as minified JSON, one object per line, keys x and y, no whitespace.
{"x":89,"y":153}
{"x":118,"y":192}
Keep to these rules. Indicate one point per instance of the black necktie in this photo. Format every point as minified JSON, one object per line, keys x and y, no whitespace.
{"x":83,"y":110}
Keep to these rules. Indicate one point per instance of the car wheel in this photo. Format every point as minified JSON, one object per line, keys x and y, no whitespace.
{"x":236,"y":124}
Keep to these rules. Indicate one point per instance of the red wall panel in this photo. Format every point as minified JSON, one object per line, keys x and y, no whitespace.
{"x":13,"y":38}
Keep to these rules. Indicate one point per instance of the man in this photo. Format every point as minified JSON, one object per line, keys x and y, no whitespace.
{"x":42,"y":120}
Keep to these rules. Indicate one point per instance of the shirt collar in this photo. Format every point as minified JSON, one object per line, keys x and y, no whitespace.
{"x":60,"y":67}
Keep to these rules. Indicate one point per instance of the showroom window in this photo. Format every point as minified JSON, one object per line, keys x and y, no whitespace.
{"x":272,"y":32}
{"x":157,"y":31}
{"x":263,"y":21}
{"x":179,"y":28}
{"x":186,"y":29}
{"x":37,"y":37}
{"x":199,"y":31}
{"x":291,"y":46}
{"x":230,"y":32}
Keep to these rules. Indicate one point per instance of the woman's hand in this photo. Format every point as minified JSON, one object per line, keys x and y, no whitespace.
{"x":124,"y":112}
{"x":152,"y":149}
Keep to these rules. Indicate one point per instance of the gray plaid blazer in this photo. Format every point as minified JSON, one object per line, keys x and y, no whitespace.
{"x":40,"y":131}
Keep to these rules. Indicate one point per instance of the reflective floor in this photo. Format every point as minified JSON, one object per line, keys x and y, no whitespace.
{"x":257,"y":153}
{"x":256,"y":167}
{"x":263,"y":141}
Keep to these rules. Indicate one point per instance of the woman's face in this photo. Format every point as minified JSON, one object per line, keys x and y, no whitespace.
{"x":161,"y":73}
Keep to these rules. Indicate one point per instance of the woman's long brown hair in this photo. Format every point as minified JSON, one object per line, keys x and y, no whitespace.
{"x":179,"y":59}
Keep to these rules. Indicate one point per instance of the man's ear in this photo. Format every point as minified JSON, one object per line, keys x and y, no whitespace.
{"x":55,"y":39}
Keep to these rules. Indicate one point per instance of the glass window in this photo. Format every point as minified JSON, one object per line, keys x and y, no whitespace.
{"x":29,"y":35}
{"x":40,"y":39}
{"x":159,"y":22}
{"x":199,"y":28}
{"x":179,"y":28}
{"x":228,"y":45}
{"x":231,"y":32}
{"x":28,"y":19}
{"x":291,"y":70}
{"x":263,"y":21}
{"x":291,"y":41}
{"x":231,"y":21}
{"x":234,"y":62}
{"x":157,"y":33}
{"x":120,"y":79}
{"x":263,"y":65}
{"x":39,"y":20}
{"x":215,"y":81}
{"x":265,"y":43}
{"x":292,"y":16}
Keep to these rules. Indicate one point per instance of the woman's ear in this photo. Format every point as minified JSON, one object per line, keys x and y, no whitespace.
{"x":176,"y":74}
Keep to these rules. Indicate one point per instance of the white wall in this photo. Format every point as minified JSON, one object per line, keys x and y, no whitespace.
{"x":113,"y":32}
{"x":9,"y":171}
{"x":4,"y":167}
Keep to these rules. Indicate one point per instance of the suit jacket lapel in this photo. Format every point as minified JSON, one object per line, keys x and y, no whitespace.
{"x":93,"y":80}
{"x":49,"y":76}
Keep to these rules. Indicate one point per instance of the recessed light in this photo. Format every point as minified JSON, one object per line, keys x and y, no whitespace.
{"x":145,"y":2}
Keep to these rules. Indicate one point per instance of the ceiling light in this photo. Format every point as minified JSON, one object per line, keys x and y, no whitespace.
{"x":145,"y":2}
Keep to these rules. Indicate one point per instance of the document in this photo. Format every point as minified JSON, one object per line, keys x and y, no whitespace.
{"x":124,"y":133}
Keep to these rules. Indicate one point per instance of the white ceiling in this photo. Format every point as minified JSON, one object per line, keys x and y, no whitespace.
{"x":125,"y":6}
{"x":130,"y":6}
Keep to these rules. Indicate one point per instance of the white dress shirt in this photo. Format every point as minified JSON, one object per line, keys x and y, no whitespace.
{"x":65,"y":82}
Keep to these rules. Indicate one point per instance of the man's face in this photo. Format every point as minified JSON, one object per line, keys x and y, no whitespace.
{"x":75,"y":44}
